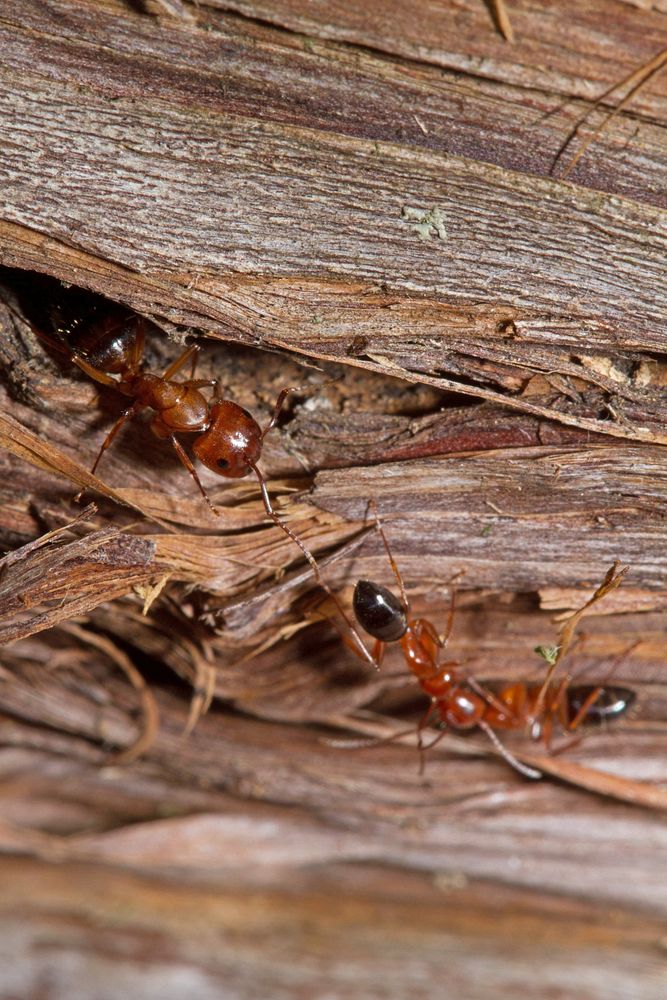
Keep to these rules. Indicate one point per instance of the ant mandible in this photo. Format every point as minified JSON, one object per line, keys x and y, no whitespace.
{"x":458,"y":700}
{"x":110,"y":350}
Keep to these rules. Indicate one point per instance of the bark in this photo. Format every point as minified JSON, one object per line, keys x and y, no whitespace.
{"x":382,"y":195}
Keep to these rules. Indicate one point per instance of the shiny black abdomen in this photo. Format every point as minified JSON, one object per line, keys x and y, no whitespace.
{"x":612,"y":702}
{"x":379,"y":612}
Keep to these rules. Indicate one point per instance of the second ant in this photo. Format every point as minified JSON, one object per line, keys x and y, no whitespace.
{"x":109,"y":346}
{"x":456,"y":699}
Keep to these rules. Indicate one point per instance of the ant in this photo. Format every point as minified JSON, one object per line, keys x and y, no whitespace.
{"x":459,"y":702}
{"x":109,"y":348}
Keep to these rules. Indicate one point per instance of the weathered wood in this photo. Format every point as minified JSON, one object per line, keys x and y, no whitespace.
{"x":467,"y":815}
{"x":547,"y":57}
{"x":398,"y":929}
{"x":506,"y":520}
{"x":510,"y":119}
{"x":377,"y":191}
{"x":500,"y":284}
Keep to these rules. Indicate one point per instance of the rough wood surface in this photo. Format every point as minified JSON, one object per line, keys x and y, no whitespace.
{"x":522,"y":271}
{"x":381,"y":192}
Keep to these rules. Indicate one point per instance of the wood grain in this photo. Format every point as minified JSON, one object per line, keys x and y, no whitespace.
{"x":380,"y":191}
{"x":522,"y":272}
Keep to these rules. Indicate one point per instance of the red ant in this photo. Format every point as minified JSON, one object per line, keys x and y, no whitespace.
{"x":458,"y":700}
{"x":110,"y":349}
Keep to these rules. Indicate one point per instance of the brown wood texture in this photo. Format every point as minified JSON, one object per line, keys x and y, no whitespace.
{"x":378,"y":190}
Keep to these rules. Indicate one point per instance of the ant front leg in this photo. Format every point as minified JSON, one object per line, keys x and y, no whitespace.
{"x":185,"y":459}
{"x":131,"y":411}
{"x":279,"y":404}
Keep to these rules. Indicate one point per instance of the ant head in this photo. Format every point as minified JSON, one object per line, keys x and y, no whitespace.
{"x":379,"y":612}
{"x":611,"y":702}
{"x":233,"y":442}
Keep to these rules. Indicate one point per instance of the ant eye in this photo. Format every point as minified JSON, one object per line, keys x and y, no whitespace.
{"x":222,"y":463}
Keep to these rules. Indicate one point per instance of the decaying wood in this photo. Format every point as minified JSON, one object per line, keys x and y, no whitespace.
{"x":463,"y":798}
{"x":157,"y":933}
{"x":515,"y":276}
{"x":379,"y":194}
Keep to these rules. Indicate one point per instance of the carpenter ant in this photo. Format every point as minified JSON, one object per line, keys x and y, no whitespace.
{"x":458,"y":701}
{"x":110,"y":350}
{"x":109,"y":347}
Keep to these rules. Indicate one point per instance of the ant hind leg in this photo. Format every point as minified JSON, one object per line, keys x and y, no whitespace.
{"x":189,"y":353}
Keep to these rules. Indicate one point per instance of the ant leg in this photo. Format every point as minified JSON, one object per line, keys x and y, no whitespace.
{"x":365,"y":655}
{"x":280,"y":402}
{"x":185,"y":459}
{"x":54,"y":344}
{"x":596,"y":693}
{"x":131,"y":411}
{"x":584,"y":710}
{"x":423,"y":751}
{"x":378,"y":651}
{"x":397,"y":573}
{"x":379,"y":647}
{"x":574,"y":742}
{"x":137,"y":349}
{"x":421,"y":726}
{"x":444,"y":639}
{"x":180,"y":361}
{"x":490,"y":698}
{"x":92,"y":372}
{"x":547,"y":731}
{"x":200,"y":383}
{"x":528,"y":772}
{"x":426,"y":627}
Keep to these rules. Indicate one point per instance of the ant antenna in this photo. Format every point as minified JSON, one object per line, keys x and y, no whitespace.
{"x":313,"y":563}
{"x":372,"y":503}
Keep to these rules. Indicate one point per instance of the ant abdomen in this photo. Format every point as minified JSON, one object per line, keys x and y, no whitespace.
{"x":610,"y":702}
{"x":111,"y":342}
{"x":379,"y":612}
{"x":232,"y":444}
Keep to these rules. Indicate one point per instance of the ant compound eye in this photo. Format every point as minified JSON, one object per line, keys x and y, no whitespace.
{"x":222,"y":463}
